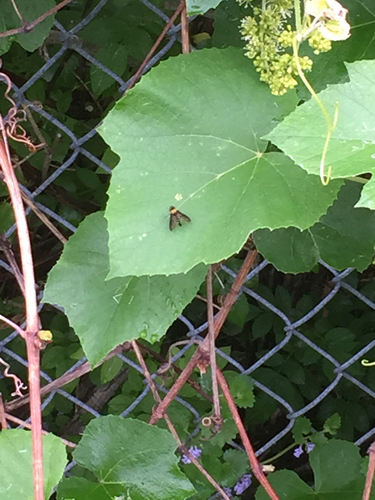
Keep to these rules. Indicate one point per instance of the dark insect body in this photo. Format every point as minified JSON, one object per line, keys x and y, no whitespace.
{"x":176,"y":218}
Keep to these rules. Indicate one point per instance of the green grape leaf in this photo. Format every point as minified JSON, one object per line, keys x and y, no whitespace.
{"x":109,"y":313}
{"x":337,"y":472}
{"x":195,"y":7}
{"x":79,"y":488}
{"x":336,"y":464}
{"x":351,"y":150}
{"x":130,"y":459}
{"x":189,"y":136}
{"x":288,"y":485}
{"x":16,"y":482}
{"x":344,"y":237}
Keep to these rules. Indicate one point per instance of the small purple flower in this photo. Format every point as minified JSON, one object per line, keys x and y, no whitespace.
{"x":242,"y":484}
{"x":195,"y":451}
{"x":310,"y":447}
{"x":228,"y":491}
{"x":298,"y":451}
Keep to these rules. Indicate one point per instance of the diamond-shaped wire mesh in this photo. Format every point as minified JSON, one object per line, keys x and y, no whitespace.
{"x":294,"y":331}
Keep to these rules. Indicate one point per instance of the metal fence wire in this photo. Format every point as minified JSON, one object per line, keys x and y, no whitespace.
{"x":338,"y":371}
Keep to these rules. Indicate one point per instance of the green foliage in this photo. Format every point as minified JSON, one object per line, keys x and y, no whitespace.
{"x":16,"y":464}
{"x":228,"y":15}
{"x":110,"y":369}
{"x":127,"y":457}
{"x":241,"y":388}
{"x":29,"y":10}
{"x":6,"y":216}
{"x":221,"y":177}
{"x":229,"y":466}
{"x":344,"y":237}
{"x":336,"y":467}
{"x":337,"y":473}
{"x":195,"y":133}
{"x":351,"y":145}
{"x":195,"y":7}
{"x":116,"y":310}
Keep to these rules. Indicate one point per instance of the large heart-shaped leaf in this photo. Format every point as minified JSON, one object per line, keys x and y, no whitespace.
{"x":189,"y":136}
{"x":104,"y":313}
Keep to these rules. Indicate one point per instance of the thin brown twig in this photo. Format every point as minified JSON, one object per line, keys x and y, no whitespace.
{"x":13,"y":325}
{"x":185,"y":41}
{"x":254,"y":463}
{"x":32,"y":317}
{"x":43,"y":218}
{"x":201,"y":354}
{"x":195,"y":385}
{"x":370,"y":473}
{"x":49,"y":154}
{"x":164,"y":368}
{"x":3,"y":420}
{"x":18,"y":421}
{"x":155,"y":46}
{"x":170,"y":425}
{"x":29,"y":26}
{"x":203,"y":299}
{"x":211,"y":334}
{"x":35,"y":127}
{"x":65,"y":379}
{"x":5,"y":245}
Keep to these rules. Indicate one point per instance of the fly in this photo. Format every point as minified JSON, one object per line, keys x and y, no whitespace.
{"x":176,"y":218}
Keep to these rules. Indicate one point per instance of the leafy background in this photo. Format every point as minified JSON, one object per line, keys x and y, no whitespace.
{"x":195,"y":133}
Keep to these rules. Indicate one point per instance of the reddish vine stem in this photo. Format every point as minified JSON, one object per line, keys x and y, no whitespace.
{"x":185,"y":39}
{"x":3,"y":421}
{"x":201,"y":355}
{"x":255,"y":465}
{"x":370,"y":473}
{"x":211,"y":334}
{"x":170,"y":425}
{"x":32,"y":318}
{"x":155,"y":46}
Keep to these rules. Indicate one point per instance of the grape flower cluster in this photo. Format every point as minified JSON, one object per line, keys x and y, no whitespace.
{"x":269,"y":37}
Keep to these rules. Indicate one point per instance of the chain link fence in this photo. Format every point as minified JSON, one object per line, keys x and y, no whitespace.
{"x":293,"y":330}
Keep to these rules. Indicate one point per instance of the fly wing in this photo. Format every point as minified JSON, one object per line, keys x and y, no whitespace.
{"x":176,"y":217}
{"x":184,"y":217}
{"x":173,"y":221}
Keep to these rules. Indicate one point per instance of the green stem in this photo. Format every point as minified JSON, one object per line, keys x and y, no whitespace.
{"x":298,"y":18}
{"x":278,"y":455}
{"x":331,"y":126}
